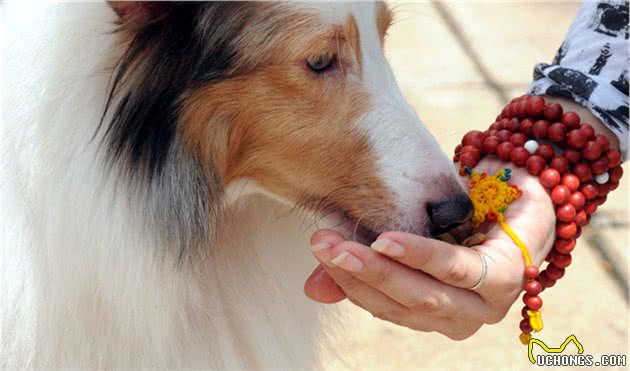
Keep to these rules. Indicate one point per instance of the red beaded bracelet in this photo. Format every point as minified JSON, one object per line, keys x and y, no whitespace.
{"x":577,"y":166}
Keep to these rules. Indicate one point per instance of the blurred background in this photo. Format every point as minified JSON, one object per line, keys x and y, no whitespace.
{"x":458,"y":63}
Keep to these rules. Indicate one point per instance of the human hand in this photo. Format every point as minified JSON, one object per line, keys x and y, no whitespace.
{"x":423,"y":283}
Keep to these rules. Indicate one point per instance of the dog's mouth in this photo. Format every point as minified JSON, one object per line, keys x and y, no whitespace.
{"x":456,"y":234}
{"x":353,"y":229}
{"x":356,"y":230}
{"x":362,"y":230}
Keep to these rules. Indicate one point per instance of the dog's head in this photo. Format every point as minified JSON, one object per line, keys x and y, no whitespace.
{"x":298,"y":98}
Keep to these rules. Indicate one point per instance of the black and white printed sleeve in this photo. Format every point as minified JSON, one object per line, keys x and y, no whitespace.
{"x":591,"y":65}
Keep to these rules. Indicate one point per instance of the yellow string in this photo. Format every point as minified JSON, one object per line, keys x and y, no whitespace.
{"x":490,"y":196}
{"x":510,"y":232}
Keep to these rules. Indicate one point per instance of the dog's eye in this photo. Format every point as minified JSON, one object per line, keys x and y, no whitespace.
{"x":320,"y":63}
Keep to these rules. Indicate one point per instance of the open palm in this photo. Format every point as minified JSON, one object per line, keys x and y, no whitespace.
{"x":424,"y":283}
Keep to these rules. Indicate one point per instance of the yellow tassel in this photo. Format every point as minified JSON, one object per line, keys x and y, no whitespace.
{"x":535,"y":320}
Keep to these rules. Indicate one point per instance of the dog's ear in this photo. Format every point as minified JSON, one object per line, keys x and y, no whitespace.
{"x":137,"y":14}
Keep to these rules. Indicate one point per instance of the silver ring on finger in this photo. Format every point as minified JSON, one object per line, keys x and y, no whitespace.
{"x":484,"y":273}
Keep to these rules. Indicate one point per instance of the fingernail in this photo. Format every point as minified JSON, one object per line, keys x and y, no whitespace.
{"x":320,"y":246}
{"x":388,"y":247}
{"x":348,"y":262}
{"x":320,"y":250}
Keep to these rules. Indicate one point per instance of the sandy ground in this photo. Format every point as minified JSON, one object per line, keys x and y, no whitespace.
{"x":457,"y":63}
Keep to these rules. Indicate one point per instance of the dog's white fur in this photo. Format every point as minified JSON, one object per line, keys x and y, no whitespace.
{"x":82,"y":284}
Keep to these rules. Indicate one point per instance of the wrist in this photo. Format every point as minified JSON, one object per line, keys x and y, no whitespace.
{"x":587,"y":116}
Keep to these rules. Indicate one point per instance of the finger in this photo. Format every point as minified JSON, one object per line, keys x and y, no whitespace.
{"x":321,"y":287}
{"x":454,"y":265}
{"x":326,"y":236}
{"x":360,"y":293}
{"x":321,"y":241}
{"x":383,"y":307}
{"x":406,"y":286}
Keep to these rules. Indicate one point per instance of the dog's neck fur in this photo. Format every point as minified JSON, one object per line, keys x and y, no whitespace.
{"x":89,"y":284}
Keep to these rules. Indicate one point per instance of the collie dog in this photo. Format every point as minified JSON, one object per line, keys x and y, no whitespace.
{"x":164,"y":164}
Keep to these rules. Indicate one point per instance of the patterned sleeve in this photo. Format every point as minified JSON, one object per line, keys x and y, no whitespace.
{"x":591,"y":65}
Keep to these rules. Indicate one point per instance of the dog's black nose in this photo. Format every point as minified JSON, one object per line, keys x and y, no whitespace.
{"x":448,"y":214}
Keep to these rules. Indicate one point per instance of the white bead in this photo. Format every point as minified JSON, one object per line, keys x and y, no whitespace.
{"x":531,"y":146}
{"x":602,"y":178}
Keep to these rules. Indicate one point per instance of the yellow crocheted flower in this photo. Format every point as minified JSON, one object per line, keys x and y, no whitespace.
{"x":490,"y":195}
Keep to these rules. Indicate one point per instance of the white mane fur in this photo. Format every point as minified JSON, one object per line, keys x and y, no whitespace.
{"x":83,"y":281}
